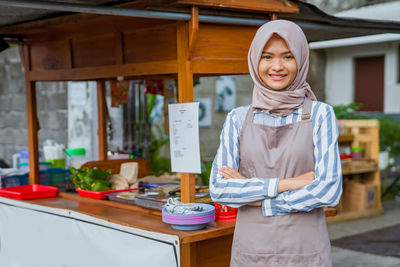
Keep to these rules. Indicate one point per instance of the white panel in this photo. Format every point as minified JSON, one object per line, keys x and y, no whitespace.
{"x":42,"y":238}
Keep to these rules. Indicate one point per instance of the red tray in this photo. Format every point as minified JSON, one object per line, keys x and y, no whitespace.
{"x":29,"y":191}
{"x":100,"y":194}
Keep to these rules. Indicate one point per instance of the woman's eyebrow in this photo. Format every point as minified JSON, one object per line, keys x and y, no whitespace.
{"x":284,"y":53}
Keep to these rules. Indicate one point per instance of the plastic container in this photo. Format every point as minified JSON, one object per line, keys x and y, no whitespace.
{"x":57,"y":177}
{"x":77,"y":157}
{"x":23,"y":156}
{"x":100,"y":194}
{"x":224,"y":213}
{"x":29,"y":191}
{"x":357,"y":153}
{"x":43,"y":165}
{"x":14,"y":180}
{"x":57,"y":163}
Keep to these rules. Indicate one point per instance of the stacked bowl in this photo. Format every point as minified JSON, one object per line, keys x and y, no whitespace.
{"x":194,"y":221}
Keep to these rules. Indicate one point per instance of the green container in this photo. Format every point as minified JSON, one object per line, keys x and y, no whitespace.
{"x":76,"y":151}
{"x":57,"y":176}
{"x":57,"y":163}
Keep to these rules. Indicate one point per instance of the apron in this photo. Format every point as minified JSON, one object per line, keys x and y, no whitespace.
{"x":295,"y":239}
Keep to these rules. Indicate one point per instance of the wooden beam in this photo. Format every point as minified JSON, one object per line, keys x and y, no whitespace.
{"x":194,"y":28}
{"x":185,"y":94}
{"x":33,"y":128}
{"x":102,"y":119}
{"x":243,"y":5}
{"x":220,"y":66}
{"x":119,"y":48}
{"x":103,"y":72}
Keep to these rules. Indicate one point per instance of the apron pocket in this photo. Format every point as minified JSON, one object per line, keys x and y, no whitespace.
{"x":318,"y":259}
{"x":243,"y":259}
{"x":300,"y":233}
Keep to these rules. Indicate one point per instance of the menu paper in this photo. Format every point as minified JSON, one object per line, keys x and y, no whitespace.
{"x":184,"y":137}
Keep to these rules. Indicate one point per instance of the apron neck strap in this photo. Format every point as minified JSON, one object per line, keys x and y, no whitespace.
{"x":306,"y":114}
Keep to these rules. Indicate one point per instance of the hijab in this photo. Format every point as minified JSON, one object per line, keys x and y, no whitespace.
{"x":281,"y":102}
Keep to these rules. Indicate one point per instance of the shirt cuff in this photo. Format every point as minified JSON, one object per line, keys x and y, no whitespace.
{"x":271,"y":187}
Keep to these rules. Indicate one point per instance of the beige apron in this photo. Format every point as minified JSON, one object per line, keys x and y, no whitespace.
{"x":295,"y":239}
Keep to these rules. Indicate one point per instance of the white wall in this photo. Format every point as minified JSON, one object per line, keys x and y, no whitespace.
{"x":340,"y":73}
{"x":82,"y":118}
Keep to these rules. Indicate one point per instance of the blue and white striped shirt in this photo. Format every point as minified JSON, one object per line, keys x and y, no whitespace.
{"x":325,"y":190}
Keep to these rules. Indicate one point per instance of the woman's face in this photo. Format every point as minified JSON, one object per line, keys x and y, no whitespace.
{"x":277,"y":67}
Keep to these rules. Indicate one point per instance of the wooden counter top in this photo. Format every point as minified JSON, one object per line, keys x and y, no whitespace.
{"x":136,"y":217}
{"x":132,"y":216}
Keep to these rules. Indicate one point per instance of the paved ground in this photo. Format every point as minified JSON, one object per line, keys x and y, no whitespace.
{"x":346,"y":258}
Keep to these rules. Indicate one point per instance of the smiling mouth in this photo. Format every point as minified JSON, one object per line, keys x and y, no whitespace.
{"x":277,"y":77}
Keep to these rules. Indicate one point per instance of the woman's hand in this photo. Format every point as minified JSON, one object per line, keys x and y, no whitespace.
{"x":295,"y":183}
{"x":228,"y":172}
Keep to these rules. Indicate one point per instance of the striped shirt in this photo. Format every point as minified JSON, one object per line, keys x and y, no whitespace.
{"x":325,"y":190}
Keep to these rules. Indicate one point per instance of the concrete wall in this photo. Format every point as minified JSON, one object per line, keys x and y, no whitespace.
{"x":209,"y":136}
{"x":51,"y":104}
{"x":82,"y":118}
{"x":340,"y":73}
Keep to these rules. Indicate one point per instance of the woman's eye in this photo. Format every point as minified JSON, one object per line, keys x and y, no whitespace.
{"x":266,"y":57}
{"x":288,"y":57}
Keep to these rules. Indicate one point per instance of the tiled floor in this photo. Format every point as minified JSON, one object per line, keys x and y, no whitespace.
{"x":346,"y":258}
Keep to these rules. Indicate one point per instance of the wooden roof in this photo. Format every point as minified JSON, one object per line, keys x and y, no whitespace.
{"x":318,"y":26}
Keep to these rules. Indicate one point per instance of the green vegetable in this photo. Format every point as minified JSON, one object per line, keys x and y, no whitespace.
{"x":90,"y":179}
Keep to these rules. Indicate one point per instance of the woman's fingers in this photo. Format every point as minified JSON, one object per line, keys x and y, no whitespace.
{"x":228,"y":172}
{"x":223,"y":173}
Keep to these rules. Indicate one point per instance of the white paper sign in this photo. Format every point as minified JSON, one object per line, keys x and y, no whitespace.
{"x":184,"y":137}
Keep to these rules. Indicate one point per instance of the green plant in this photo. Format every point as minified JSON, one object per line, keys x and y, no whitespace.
{"x":343,"y":112}
{"x":158,"y":164}
{"x":205,"y":172}
{"x":90,"y":179}
{"x":151,"y":101}
{"x":389,"y":135}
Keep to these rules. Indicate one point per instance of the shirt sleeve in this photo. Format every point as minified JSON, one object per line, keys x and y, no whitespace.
{"x":236,"y":192}
{"x":327,"y":186}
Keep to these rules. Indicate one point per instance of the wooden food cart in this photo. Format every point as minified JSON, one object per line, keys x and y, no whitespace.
{"x":147,"y":39}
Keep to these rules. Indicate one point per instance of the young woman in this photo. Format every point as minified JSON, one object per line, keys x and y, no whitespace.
{"x":278,"y":161}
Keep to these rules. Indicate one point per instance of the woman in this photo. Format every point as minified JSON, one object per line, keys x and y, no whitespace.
{"x":278,"y":160}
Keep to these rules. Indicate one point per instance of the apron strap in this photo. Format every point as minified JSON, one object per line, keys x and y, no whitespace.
{"x":249,"y":115}
{"x":306,"y":115}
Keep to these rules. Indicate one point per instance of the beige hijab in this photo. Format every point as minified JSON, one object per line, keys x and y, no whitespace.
{"x":281,"y":102}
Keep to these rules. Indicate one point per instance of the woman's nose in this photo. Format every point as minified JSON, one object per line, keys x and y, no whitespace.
{"x":277,"y":65}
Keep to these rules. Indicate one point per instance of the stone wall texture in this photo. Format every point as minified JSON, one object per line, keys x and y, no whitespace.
{"x":209,"y":136}
{"x":51,"y":105}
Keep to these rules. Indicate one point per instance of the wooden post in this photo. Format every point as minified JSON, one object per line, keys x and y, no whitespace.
{"x":31,"y":116}
{"x":185,"y":94}
{"x":102,"y":119}
{"x":33,"y":128}
{"x":188,"y":255}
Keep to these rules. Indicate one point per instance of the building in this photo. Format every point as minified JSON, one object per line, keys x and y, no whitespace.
{"x":364,"y":69}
